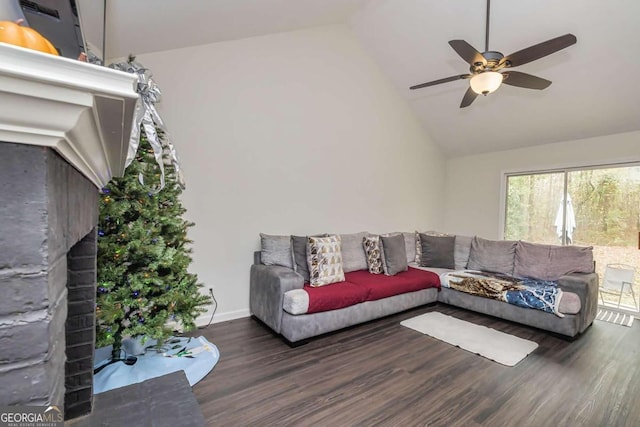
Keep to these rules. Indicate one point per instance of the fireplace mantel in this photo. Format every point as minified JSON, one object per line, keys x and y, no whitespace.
{"x":82,"y":111}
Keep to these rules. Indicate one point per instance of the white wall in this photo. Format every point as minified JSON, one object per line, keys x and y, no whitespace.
{"x":474,"y":183}
{"x":292,"y":133}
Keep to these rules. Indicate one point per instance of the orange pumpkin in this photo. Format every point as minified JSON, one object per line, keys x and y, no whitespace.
{"x":14,"y":33}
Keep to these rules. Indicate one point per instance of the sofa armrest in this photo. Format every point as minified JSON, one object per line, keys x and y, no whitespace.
{"x":585,"y":285}
{"x":268,"y":284}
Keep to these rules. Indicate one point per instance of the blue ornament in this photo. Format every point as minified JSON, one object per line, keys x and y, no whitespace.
{"x":109,"y":329}
{"x":100,"y":233}
{"x":135,"y":293}
{"x":154,"y":240}
{"x":105,"y":190}
{"x":141,"y":320}
{"x":150,"y":194}
{"x":173,"y":317}
{"x":102,"y":290}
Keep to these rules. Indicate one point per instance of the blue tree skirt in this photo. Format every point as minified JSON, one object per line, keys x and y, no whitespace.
{"x":204,"y":356}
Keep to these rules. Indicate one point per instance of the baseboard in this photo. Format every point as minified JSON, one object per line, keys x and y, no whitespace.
{"x":204,"y":319}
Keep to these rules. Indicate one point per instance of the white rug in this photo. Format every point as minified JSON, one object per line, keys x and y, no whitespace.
{"x":495,"y":345}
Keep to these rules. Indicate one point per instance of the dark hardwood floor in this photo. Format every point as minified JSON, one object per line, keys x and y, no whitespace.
{"x":381,"y":373}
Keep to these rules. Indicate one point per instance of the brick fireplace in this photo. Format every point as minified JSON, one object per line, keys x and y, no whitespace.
{"x":64,"y":132}
{"x":48,"y":277}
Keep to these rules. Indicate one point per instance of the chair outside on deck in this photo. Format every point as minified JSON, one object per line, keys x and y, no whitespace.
{"x":616,"y":278}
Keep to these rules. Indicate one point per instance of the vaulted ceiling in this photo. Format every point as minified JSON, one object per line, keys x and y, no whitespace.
{"x":595,"y":90}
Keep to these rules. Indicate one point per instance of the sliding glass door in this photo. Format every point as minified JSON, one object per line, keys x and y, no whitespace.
{"x":597,"y":207}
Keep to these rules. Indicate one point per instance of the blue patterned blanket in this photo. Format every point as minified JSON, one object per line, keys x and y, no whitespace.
{"x":530,"y":293}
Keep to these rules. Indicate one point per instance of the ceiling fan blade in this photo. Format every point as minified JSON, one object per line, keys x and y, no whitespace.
{"x":538,"y":51}
{"x":515,"y":78}
{"x":467,"y":52}
{"x":445,"y":80}
{"x":468,"y":98}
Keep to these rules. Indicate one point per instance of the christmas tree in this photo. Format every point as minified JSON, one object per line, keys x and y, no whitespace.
{"x":143,"y":255}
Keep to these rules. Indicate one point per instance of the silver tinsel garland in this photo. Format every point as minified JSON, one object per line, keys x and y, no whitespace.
{"x":147,"y":117}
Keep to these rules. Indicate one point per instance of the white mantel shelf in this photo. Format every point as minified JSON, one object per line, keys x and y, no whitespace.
{"x":83,"y":111}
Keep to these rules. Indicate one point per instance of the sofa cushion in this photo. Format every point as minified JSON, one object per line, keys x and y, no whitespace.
{"x":410,"y":245}
{"x":380,"y":286}
{"x":324,"y":258}
{"x":437,"y":251}
{"x":394,"y":258}
{"x":550,"y":262}
{"x":299,"y":251}
{"x":373,"y":252}
{"x":436,"y":270}
{"x":335,"y":296}
{"x":353,"y":255}
{"x":276,"y":250}
{"x":461,"y":251}
{"x":495,"y":256}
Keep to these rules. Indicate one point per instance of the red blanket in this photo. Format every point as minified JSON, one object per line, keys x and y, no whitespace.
{"x":361,"y":286}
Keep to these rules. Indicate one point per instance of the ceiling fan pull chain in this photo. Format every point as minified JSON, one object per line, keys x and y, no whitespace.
{"x":486,"y":37}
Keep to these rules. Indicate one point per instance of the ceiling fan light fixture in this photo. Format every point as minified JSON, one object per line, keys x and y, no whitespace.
{"x":485,"y":83}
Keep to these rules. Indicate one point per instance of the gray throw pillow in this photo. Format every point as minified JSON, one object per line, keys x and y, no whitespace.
{"x":461,"y":251}
{"x":496,"y":256}
{"x":353,"y":255}
{"x":409,"y":243}
{"x":276,"y":250}
{"x":419,"y":245}
{"x":394,"y":260}
{"x":550,"y":262}
{"x":437,"y":251}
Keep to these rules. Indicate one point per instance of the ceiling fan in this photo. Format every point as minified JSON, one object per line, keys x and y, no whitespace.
{"x":485,"y":76}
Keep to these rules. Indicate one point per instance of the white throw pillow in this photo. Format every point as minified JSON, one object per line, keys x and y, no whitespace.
{"x":324,"y":258}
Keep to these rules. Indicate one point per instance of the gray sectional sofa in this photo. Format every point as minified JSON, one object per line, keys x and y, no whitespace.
{"x":269,"y":285}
